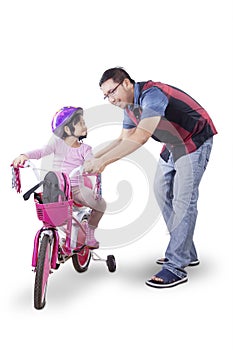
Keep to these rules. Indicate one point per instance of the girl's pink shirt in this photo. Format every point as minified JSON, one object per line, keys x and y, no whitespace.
{"x":66,"y":158}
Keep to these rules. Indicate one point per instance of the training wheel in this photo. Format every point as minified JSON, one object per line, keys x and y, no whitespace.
{"x":111,"y":263}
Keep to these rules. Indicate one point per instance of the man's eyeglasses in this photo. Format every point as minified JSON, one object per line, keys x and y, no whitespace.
{"x":113,"y":91}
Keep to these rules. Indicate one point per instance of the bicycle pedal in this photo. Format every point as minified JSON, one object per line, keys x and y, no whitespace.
{"x":78,"y":250}
{"x":57,"y":266}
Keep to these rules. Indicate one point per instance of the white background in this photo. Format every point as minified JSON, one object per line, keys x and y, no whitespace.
{"x":53,"y":53}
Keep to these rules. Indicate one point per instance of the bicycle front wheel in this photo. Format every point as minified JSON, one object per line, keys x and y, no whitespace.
{"x":42,"y":272}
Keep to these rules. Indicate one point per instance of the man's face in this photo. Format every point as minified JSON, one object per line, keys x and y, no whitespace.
{"x":119,"y":94}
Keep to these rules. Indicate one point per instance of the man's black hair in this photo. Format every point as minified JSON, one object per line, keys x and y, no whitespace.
{"x":117,"y":74}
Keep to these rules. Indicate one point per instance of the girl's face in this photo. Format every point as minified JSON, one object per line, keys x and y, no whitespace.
{"x":80,"y":128}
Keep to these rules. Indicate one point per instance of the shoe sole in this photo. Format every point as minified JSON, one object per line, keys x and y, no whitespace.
{"x":92,"y":247}
{"x":153,"y":284}
{"x":193,"y":263}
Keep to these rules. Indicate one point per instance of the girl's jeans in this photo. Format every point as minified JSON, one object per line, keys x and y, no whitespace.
{"x":176,"y":190}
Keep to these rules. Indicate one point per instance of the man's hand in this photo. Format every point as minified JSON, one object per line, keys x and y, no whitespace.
{"x":93,"y":165}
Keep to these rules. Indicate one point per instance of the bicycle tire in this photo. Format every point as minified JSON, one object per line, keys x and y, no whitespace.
{"x":42,"y":272}
{"x":111,"y":263}
{"x":81,"y":260}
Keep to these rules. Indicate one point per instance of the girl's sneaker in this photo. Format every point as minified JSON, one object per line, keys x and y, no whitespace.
{"x":92,"y":243}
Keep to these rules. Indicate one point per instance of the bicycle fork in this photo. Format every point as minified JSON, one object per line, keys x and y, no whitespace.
{"x":53,"y":234}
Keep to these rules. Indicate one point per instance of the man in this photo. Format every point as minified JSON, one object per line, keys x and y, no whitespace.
{"x":168,"y":115}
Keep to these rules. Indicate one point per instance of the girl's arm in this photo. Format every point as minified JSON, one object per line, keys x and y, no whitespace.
{"x":19,"y":160}
{"x":36,"y":154}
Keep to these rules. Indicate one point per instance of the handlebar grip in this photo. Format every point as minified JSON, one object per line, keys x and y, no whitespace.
{"x":27,"y":195}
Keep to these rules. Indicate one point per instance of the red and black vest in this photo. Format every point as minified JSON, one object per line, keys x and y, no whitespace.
{"x":185,"y":126}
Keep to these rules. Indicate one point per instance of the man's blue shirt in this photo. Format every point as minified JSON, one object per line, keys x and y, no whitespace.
{"x":153,"y":103}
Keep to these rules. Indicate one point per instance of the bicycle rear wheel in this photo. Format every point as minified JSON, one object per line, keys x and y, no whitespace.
{"x":82,"y":259}
{"x":42,"y":272}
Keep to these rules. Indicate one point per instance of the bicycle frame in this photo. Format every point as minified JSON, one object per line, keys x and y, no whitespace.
{"x":55,"y":215}
{"x":50,"y":249}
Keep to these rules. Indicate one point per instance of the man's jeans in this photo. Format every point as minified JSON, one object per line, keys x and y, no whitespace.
{"x":176,"y":190}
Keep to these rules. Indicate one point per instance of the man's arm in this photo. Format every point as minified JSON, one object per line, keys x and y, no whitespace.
{"x":129,"y":143}
{"x":133,"y":141}
{"x":115,"y":143}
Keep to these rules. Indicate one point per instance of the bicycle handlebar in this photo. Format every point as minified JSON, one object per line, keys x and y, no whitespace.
{"x":80,"y":171}
{"x":16,"y":182}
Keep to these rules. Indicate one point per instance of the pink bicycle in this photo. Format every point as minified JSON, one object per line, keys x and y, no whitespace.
{"x":62,"y":235}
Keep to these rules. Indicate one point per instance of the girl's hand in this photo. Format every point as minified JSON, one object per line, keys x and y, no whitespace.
{"x":19,"y":160}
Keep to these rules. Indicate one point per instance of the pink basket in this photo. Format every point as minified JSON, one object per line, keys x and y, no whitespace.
{"x":55,"y":214}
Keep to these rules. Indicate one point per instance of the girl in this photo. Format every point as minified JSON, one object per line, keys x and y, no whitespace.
{"x":70,"y":152}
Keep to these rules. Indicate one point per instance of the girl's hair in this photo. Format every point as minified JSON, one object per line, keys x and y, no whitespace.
{"x":71,"y":122}
{"x":117,"y":74}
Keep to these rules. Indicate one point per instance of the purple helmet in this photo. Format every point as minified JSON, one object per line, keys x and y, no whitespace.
{"x":63,"y":115}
